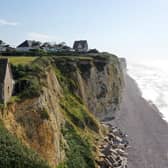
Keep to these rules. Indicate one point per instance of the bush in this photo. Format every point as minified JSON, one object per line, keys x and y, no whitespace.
{"x":27,"y":80}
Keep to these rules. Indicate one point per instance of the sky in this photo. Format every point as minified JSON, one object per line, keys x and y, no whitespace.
{"x":128,"y":28}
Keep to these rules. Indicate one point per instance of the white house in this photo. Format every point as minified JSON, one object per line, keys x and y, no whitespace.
{"x":28,"y":45}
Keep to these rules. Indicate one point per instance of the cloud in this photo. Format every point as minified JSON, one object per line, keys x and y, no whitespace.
{"x":39,"y":36}
{"x":8,"y":23}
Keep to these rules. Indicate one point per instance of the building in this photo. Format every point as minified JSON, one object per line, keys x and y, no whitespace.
{"x":80,"y":46}
{"x":28,"y":45}
{"x":6,"y":81}
{"x":3,"y":46}
{"x":49,"y":47}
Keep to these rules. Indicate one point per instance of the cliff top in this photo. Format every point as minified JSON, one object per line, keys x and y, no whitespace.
{"x":16,"y":60}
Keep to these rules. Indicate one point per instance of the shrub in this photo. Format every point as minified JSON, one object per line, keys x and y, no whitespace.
{"x":27,"y":79}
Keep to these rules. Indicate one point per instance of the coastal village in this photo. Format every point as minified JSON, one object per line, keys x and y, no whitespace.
{"x":32,"y":45}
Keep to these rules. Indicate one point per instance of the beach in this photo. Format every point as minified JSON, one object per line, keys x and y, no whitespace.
{"x":147,"y":131}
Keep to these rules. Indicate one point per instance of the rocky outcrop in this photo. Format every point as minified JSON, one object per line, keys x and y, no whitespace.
{"x":112,"y":150}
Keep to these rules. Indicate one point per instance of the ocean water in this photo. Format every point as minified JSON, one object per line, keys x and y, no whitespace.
{"x":152,"y":79}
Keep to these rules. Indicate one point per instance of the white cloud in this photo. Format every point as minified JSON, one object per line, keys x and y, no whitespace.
{"x":39,"y":36}
{"x":8,"y":23}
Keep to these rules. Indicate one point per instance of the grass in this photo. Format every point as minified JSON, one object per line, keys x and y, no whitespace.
{"x":78,"y":114}
{"x":15,"y":60}
{"x":79,"y":151}
{"x":74,"y":58}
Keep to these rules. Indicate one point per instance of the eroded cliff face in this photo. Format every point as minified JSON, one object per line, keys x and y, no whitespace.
{"x":37,"y":122}
{"x":73,"y":91}
{"x":99,"y":82}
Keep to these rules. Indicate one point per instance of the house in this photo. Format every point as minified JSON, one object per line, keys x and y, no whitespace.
{"x":80,"y":46}
{"x":6,"y":81}
{"x":67,"y":49}
{"x":28,"y":45}
{"x":61,"y":47}
{"x":49,"y":47}
{"x":46,"y":47}
{"x":3,"y":46}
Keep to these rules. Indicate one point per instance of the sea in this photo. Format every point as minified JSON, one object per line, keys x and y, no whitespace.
{"x":152,"y":79}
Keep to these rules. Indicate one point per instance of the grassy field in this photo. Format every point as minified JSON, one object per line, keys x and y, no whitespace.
{"x":20,"y":59}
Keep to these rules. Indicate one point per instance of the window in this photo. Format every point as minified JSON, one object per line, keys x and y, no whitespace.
{"x":8,"y":89}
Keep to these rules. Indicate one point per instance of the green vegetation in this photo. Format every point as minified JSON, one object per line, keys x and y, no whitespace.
{"x":79,"y":151}
{"x":78,"y":113}
{"x":79,"y":123}
{"x":20,"y":60}
{"x":27,"y":87}
{"x":71,"y":103}
{"x":28,"y":79}
{"x":13,"y":154}
{"x":32,"y":53}
{"x":14,"y":99}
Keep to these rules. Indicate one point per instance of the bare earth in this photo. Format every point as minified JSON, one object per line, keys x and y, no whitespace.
{"x":147,"y":132}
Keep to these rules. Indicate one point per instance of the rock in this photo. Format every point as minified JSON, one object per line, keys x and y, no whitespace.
{"x":112,"y":150}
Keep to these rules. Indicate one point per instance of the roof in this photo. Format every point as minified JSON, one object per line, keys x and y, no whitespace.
{"x":3,"y":44}
{"x":29,"y":43}
{"x":46,"y":45}
{"x":3,"y":66}
{"x":82,"y":43}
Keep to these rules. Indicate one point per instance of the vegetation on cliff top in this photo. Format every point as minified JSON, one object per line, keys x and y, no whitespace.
{"x":20,"y":60}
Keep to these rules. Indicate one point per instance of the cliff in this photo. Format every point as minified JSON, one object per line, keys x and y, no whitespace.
{"x":56,"y":105}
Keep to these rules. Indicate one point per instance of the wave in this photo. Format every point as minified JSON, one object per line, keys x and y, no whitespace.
{"x":153,"y":83}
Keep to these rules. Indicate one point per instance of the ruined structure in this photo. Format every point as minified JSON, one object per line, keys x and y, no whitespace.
{"x":6,"y":81}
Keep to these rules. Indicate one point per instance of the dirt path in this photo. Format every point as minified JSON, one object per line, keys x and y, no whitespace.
{"x":147,"y":132}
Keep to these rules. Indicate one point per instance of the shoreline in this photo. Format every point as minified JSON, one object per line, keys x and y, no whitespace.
{"x":152,"y":82}
{"x":150,"y":102}
{"x":146,"y":129}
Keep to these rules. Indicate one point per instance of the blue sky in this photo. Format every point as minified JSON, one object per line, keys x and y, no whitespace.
{"x":128,"y":28}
